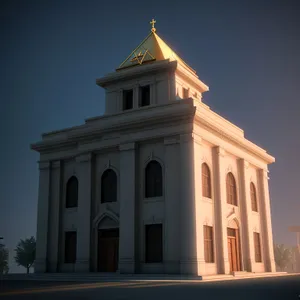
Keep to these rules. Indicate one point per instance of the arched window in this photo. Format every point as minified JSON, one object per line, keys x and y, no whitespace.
{"x":231,"y":189}
{"x":109,"y":186}
{"x":206,"y":181}
{"x":153,"y":180}
{"x":253,"y":197}
{"x":72,"y":192}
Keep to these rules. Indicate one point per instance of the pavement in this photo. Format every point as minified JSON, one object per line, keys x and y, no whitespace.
{"x":275,"y":288}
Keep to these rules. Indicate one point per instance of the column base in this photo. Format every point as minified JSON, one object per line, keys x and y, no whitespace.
{"x":270,"y":265}
{"x":189,"y":267}
{"x":227,"y":267}
{"x":250,"y":265}
{"x":40,"y":266}
{"x":82,"y":265}
{"x":171,"y":267}
{"x":126,"y":267}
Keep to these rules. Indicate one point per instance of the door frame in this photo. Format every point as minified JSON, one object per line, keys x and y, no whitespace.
{"x":236,"y":238}
{"x":116,"y":238}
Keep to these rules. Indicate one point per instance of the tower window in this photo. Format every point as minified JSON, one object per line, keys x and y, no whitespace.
{"x":144,"y":96}
{"x":185,"y":93}
{"x":127,"y":99}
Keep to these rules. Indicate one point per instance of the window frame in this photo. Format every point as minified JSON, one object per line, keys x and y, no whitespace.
{"x":206,"y":184}
{"x":253,"y":196}
{"x":111,"y":187}
{"x":231,"y":190}
{"x":257,"y":247}
{"x":153,"y":187}
{"x":70,"y":258}
{"x":208,"y":242}
{"x":141,"y":89}
{"x":69,"y":203}
{"x":153,"y":243}
{"x":125,"y":105}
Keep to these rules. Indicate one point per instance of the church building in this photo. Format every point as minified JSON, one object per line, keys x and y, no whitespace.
{"x":159,"y":184}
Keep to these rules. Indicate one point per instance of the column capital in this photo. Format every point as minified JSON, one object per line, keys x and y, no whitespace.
{"x":220,"y":151}
{"x":265,"y":173}
{"x":127,"y":146}
{"x":245,"y":163}
{"x":44,"y":165}
{"x":85,"y":157}
{"x":56,"y":164}
{"x":186,"y":137}
{"x":170,"y":140}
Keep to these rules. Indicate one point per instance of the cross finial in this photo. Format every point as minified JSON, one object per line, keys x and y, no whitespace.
{"x":152,"y":23}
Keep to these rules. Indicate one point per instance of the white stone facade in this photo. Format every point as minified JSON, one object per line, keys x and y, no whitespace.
{"x":180,"y":134}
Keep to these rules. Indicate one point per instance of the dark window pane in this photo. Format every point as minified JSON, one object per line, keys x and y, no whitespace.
{"x":208,"y":244}
{"x":253,"y":197}
{"x":109,"y":186}
{"x":145,"y":95}
{"x":153,"y":180}
{"x":72,"y":192}
{"x":206,"y":181}
{"x":127,"y":99}
{"x":153,"y":243}
{"x":231,"y":189}
{"x":70,"y":246}
{"x":257,"y":247}
{"x":185,"y":93}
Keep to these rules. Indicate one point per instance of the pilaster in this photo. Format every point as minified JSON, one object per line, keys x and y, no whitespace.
{"x":84,"y":162}
{"x":172,"y":215}
{"x":136,"y":95}
{"x":127,"y":208}
{"x":265,"y":218}
{"x":200,"y":216}
{"x":246,"y":215}
{"x":188,"y":244}
{"x":40,"y":265}
{"x":220,"y":212}
{"x":54,"y":215}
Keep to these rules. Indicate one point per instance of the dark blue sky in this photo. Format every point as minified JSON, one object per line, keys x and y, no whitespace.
{"x":247,"y":52}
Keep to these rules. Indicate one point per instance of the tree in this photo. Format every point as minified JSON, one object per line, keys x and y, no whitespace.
{"x":283,"y":256}
{"x":3,"y":259}
{"x":25,"y":253}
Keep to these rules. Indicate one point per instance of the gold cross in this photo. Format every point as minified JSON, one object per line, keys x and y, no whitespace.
{"x":152,"y":23}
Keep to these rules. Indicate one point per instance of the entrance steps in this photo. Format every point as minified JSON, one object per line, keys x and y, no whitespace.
{"x":113,"y":277}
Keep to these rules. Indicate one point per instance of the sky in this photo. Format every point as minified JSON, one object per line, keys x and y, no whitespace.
{"x":51,"y":53}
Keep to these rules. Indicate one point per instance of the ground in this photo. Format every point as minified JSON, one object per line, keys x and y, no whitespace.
{"x":287,"y":288}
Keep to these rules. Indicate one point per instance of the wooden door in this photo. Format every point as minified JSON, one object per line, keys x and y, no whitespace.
{"x":233,"y":250}
{"x":108,"y":244}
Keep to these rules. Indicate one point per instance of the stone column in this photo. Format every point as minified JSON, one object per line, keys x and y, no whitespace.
{"x":220,"y":212}
{"x":188,"y":251}
{"x":265,"y":217}
{"x":172,"y":212}
{"x":84,"y":212}
{"x":40,"y":265}
{"x":246,"y":215}
{"x":127,"y":208}
{"x":153,"y":99}
{"x":54,"y":214}
{"x":136,"y":96}
{"x":199,"y":206}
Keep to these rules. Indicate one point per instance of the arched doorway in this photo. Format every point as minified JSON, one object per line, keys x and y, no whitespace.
{"x":108,"y":245}
{"x":234,"y":253}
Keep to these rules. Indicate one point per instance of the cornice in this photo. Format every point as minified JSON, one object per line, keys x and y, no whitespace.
{"x":84,"y":157}
{"x":178,"y":113}
{"x":44,"y":165}
{"x":136,"y":71}
{"x":127,"y":146}
{"x":170,"y":140}
{"x":232,"y":139}
{"x":55,"y":164}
